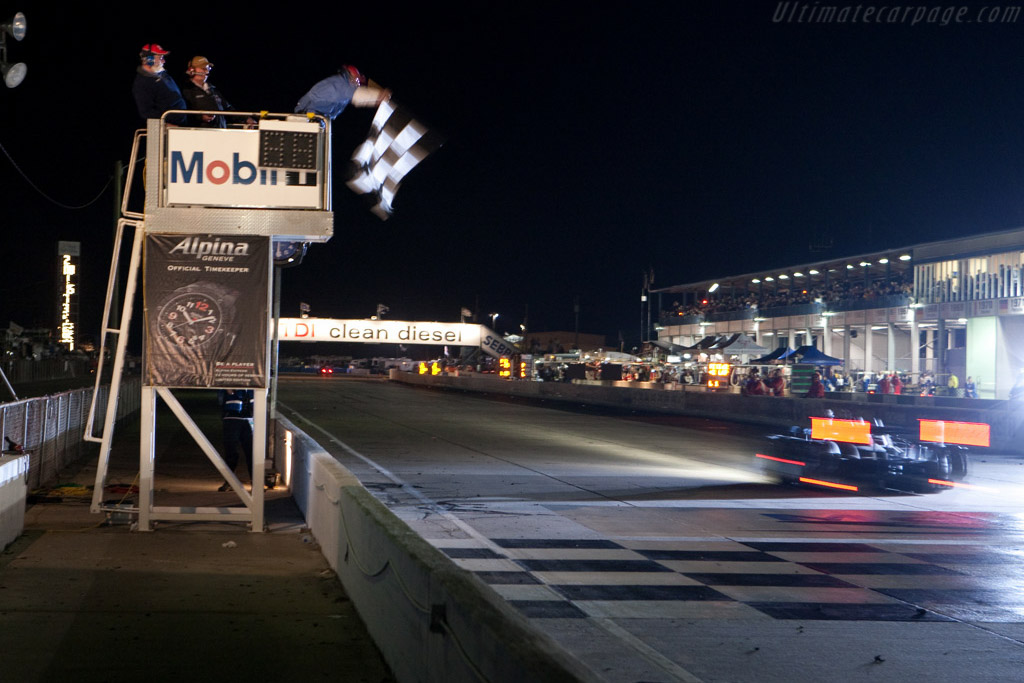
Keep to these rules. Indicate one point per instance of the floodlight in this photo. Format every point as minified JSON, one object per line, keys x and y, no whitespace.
{"x":13,"y":74}
{"x":16,"y":27}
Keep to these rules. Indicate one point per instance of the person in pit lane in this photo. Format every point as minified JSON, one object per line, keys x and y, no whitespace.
{"x":817,"y":389}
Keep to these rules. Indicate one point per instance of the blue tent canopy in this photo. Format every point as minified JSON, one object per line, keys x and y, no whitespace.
{"x":781,"y":353}
{"x":812,"y":356}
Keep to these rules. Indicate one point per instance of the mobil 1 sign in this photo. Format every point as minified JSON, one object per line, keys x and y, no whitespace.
{"x":245,"y":168}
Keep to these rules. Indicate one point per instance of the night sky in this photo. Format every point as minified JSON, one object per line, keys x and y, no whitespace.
{"x":584,"y":146}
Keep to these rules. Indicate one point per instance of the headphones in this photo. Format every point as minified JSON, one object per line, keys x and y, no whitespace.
{"x":148,"y":54}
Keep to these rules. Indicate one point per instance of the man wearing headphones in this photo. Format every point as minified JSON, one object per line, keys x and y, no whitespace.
{"x":330,"y":96}
{"x":154,"y":90}
{"x":200,"y":94}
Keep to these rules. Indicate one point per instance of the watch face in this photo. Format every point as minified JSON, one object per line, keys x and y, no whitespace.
{"x":190,"y":319}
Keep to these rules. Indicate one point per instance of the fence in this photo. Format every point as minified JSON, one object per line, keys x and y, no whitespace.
{"x":50,"y":428}
{"x":22,"y":370}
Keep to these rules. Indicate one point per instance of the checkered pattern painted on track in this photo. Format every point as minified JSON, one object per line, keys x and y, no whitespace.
{"x":763,"y":579}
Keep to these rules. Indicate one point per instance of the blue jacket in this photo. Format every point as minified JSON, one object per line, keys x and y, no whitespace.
{"x":157,"y":93}
{"x":236,"y":403}
{"x":328,"y":98}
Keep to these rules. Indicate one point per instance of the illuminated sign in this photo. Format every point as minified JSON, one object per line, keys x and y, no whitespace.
{"x":379,"y":331}
{"x":848,"y":431}
{"x":263,"y":168}
{"x":505,"y":368}
{"x":393,"y":332}
{"x":719,"y":369}
{"x":68,"y":306}
{"x":718,"y":375}
{"x":962,"y":433}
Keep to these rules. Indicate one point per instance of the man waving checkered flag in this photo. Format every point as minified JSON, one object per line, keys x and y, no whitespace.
{"x":395,"y":145}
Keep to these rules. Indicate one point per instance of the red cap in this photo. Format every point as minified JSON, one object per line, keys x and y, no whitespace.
{"x":355,"y":74}
{"x":153,"y":49}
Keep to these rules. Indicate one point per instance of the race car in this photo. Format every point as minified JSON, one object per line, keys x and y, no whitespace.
{"x":855,"y":454}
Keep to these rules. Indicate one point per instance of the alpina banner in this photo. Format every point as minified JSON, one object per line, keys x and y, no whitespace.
{"x":207,"y":310}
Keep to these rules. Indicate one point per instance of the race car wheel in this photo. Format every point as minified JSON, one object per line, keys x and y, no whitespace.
{"x":958,"y":464}
{"x":943,"y":467}
{"x":940,"y":468}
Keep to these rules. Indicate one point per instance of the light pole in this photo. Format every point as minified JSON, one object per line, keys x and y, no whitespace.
{"x":494,"y":316}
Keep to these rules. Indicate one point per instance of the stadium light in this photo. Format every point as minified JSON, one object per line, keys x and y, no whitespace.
{"x":13,"y":74}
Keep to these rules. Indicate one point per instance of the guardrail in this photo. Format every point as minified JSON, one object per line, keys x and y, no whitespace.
{"x":49,"y":429}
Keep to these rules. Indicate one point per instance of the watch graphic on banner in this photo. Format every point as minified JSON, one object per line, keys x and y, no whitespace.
{"x":191,"y":328}
{"x":197,"y":314}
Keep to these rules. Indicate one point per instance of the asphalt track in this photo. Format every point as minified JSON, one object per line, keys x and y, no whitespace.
{"x":654,"y":549}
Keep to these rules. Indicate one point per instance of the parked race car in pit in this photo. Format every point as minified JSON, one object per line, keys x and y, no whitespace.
{"x":854,"y":454}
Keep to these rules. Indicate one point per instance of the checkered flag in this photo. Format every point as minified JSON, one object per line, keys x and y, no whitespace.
{"x":396,"y":143}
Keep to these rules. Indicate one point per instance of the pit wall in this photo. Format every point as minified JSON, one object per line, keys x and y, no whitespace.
{"x":13,"y":492}
{"x":431,"y":620}
{"x":1006,"y":418}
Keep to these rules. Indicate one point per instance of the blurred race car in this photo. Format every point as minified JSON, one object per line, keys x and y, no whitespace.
{"x":855,"y":454}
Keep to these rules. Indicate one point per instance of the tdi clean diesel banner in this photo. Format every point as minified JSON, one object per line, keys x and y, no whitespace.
{"x":393,"y":332}
{"x":277,"y":166}
{"x":207,"y":308}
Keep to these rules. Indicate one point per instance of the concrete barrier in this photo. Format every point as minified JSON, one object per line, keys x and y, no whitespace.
{"x":13,"y":492}
{"x":1006,"y":418}
{"x":431,"y":620}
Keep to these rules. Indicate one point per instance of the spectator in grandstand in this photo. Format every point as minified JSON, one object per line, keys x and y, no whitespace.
{"x":830,"y":385}
{"x":754,"y":385}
